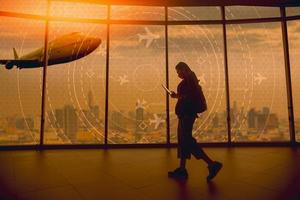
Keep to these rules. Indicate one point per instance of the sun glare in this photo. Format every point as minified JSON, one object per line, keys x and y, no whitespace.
{"x":37,"y":7}
{"x":78,"y":10}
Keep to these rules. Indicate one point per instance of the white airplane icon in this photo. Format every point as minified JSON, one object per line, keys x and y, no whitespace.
{"x":259,"y":78}
{"x":157,"y":121}
{"x":200,"y":60}
{"x":149,"y":37}
{"x":123,"y":79}
{"x":63,"y":49}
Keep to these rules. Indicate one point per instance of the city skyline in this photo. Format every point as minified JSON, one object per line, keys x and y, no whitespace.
{"x":67,"y":124}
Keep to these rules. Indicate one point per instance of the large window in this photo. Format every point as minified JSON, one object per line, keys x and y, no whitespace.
{"x":137,"y":65}
{"x":201,"y":47}
{"x":294,"y":44}
{"x":257,"y":83}
{"x":137,"y":108}
{"x":20,"y":89}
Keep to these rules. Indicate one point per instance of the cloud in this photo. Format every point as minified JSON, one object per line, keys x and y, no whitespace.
{"x":243,"y":12}
{"x":255,"y":37}
{"x":194,"y":32}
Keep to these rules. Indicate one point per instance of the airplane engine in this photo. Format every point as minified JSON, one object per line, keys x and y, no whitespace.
{"x":9,"y":65}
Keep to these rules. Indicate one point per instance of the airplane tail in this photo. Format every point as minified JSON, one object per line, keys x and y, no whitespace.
{"x":140,"y":37}
{"x":147,"y":30}
{"x":15,"y":54}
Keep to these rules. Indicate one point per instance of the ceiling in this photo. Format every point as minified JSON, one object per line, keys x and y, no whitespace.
{"x":194,"y":2}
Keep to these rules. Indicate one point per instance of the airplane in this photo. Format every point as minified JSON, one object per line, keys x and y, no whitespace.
{"x":63,"y":49}
{"x":123,"y":79}
{"x":259,"y":78}
{"x":149,"y":37}
{"x":157,"y":121}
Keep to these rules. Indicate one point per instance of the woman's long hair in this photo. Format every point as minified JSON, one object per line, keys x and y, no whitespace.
{"x":191,"y":75}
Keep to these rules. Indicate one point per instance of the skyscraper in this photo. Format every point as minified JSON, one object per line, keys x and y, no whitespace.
{"x":25,"y":123}
{"x":118,"y":121}
{"x":93,"y":112}
{"x":139,"y":117}
{"x":90,"y":99}
{"x":273,"y":121}
{"x":215,"y":121}
{"x":266,"y":111}
{"x":252,"y":118}
{"x":59,"y":116}
{"x":70,"y":122}
{"x":261,"y":121}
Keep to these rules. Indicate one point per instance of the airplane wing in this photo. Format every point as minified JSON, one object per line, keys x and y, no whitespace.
{"x":147,"y":30}
{"x":21,"y":63}
{"x":149,"y":41}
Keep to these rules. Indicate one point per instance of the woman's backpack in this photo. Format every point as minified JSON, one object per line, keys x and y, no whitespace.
{"x":199,"y":101}
{"x":199,"y":104}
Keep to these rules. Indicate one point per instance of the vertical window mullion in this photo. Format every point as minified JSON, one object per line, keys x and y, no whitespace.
{"x":288,"y":75}
{"x":226,"y":75}
{"x":45,"y":64}
{"x":107,"y":76}
{"x":167,"y":76}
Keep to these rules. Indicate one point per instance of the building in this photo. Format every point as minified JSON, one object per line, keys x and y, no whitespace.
{"x":59,"y":118}
{"x":25,"y":124}
{"x":118,"y":121}
{"x":139,"y":120}
{"x":70,"y":122}
{"x":251,"y":118}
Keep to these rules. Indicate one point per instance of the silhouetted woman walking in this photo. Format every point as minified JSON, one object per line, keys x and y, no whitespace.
{"x":187,"y":115}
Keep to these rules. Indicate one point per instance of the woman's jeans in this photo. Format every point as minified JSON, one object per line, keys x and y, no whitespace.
{"x":187,"y":145}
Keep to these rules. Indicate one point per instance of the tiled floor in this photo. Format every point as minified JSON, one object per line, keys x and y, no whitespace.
{"x":141,"y":174}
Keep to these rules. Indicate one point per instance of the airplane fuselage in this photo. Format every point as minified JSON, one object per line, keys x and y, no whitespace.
{"x":61,"y":50}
